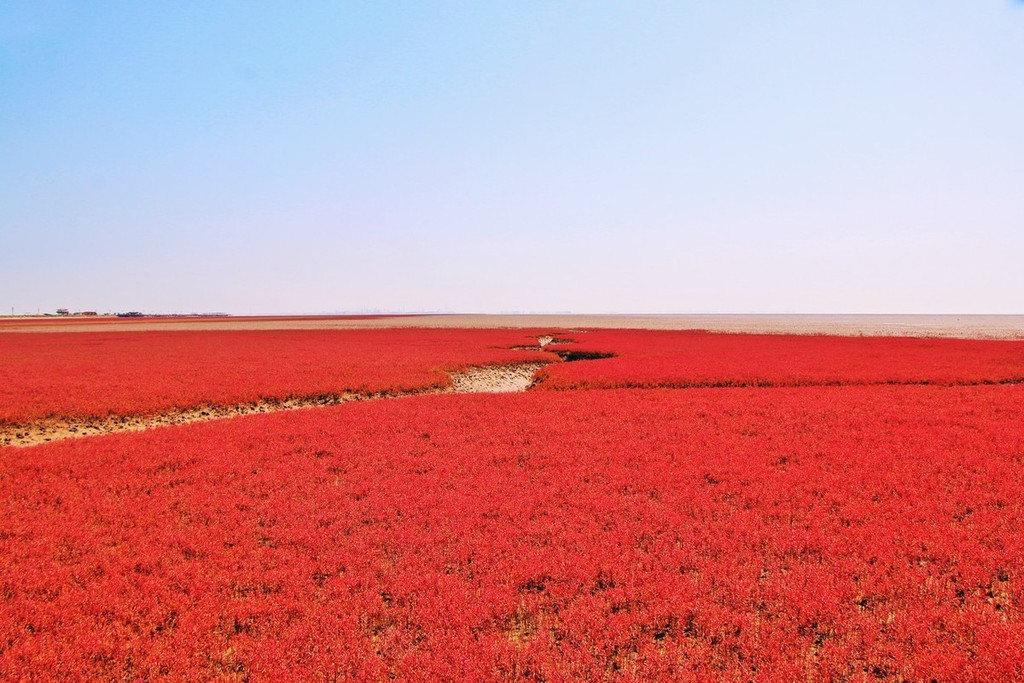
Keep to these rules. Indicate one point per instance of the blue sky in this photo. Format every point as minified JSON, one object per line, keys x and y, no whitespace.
{"x":732,"y":157}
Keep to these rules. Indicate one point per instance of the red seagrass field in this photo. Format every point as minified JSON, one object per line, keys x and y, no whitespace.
{"x":656,"y":505}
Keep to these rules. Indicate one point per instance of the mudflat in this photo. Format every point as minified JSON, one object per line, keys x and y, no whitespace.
{"x":960,"y":326}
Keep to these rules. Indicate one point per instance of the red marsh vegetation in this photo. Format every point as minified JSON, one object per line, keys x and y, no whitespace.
{"x":835,"y":518}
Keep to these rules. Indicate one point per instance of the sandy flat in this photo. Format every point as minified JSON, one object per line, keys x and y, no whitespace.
{"x":964,"y":326}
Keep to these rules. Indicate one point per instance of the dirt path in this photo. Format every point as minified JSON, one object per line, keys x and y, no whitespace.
{"x":477,"y":380}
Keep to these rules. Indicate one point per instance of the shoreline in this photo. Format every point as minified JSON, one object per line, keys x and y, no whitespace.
{"x":968,"y":326}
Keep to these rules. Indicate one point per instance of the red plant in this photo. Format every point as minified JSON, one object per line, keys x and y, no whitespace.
{"x":712,"y":534}
{"x":646,"y":359}
{"x":86,"y":374}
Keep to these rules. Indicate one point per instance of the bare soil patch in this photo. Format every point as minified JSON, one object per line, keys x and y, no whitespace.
{"x":496,"y":379}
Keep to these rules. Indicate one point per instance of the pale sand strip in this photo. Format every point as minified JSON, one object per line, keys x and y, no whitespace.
{"x":495,"y":379}
{"x":962,"y":326}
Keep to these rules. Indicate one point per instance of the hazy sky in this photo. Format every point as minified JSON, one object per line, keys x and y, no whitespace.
{"x":731,"y":156}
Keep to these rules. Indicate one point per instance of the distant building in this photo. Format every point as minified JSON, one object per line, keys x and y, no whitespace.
{"x":62,"y":311}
